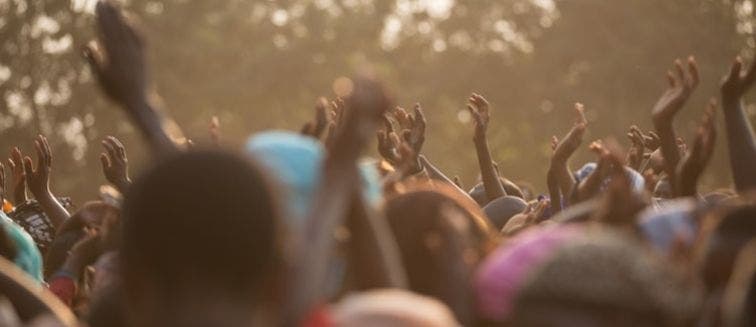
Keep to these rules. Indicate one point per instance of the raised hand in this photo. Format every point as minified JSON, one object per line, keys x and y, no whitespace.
{"x":559,"y":170}
{"x":16,"y":164}
{"x":415,"y":135}
{"x":318,"y":126}
{"x":361,"y":113}
{"x":737,"y":82}
{"x":38,"y":180}
{"x":693,"y":164}
{"x":637,"y":149}
{"x":115,"y":165}
{"x":479,"y":109}
{"x":740,"y":138}
{"x":214,"y":129}
{"x":388,"y":142}
{"x":38,"y":177}
{"x":621,"y":204}
{"x":681,"y":86}
{"x":563,"y":150}
{"x":118,"y":61}
{"x":121,"y":68}
{"x":532,"y":215}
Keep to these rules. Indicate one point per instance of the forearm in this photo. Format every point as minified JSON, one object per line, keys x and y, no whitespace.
{"x":154,"y":127}
{"x":52,"y":208}
{"x":560,"y":172}
{"x":19,"y":194}
{"x":669,"y":152}
{"x":740,"y":142}
{"x":309,"y":273}
{"x":491,"y":183}
{"x":374,"y":255}
{"x":436,"y":174}
{"x":554,"y":193}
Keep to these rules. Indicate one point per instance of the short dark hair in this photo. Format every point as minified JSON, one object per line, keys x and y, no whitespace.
{"x":202,"y":220}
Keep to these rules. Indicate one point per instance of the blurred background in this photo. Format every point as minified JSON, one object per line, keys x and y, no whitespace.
{"x":262,"y":64}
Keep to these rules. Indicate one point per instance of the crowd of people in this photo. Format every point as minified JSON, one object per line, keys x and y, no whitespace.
{"x":298,"y":229}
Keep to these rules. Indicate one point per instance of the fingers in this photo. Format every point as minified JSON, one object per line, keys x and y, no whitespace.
{"x":580,"y":110}
{"x":419,"y":118}
{"x":458,"y":182}
{"x":94,"y":58}
{"x":750,"y":76}
{"x":671,"y":79}
{"x":735,"y":69}
{"x":121,"y":150}
{"x":693,"y":78}
{"x":28,"y":170}
{"x":105,"y":162}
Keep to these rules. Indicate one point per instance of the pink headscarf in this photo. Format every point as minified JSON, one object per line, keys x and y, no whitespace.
{"x":499,"y":278}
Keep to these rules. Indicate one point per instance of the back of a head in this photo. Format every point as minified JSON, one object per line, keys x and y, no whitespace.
{"x":438,"y":236}
{"x":604,"y":278}
{"x":389,"y":307}
{"x":500,"y":210}
{"x":200,"y":221}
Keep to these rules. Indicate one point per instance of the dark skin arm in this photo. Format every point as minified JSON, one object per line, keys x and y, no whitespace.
{"x":590,"y":185}
{"x":693,"y":164}
{"x":373,"y":253}
{"x":38,"y":180}
{"x":16,"y":164}
{"x":436,"y":174}
{"x":559,"y":169}
{"x":681,"y":85}
{"x":115,"y":165}
{"x":740,"y":139}
{"x":334,"y":201}
{"x":118,"y":61}
{"x":479,"y":108}
{"x":316,"y":128}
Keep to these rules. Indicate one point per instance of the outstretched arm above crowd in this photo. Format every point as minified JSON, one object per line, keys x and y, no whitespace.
{"x":695,"y":161}
{"x":681,"y":86}
{"x":740,"y":139}
{"x":38,"y":180}
{"x":118,"y":61}
{"x":115,"y":165}
{"x":479,"y":108}
{"x":559,"y":170}
{"x":334,"y":203}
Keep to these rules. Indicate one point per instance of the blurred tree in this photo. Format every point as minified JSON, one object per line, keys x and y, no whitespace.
{"x":261,"y":64}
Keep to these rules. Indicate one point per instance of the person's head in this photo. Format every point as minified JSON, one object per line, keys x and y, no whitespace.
{"x":500,"y":276}
{"x":19,"y":247}
{"x":500,"y":210}
{"x":478,"y":192}
{"x":603,"y":278}
{"x":199,"y":229}
{"x":442,"y":236}
{"x":389,"y":307}
{"x":727,"y":229}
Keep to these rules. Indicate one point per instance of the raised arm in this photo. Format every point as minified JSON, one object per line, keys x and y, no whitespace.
{"x":119,"y":64}
{"x":740,"y":139}
{"x":479,"y":108}
{"x":559,"y":170}
{"x":681,"y":85}
{"x":38,"y":180}
{"x":695,"y":161}
{"x":115,"y":165}
{"x":16,"y":164}
{"x":334,"y":201}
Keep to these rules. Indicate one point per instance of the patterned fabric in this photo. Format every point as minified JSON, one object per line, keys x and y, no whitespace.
{"x":34,"y":221}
